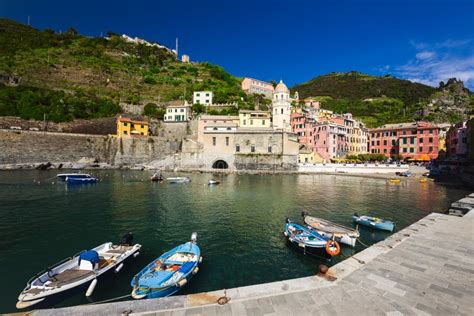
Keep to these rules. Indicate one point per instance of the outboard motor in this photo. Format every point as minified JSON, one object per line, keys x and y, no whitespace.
{"x":194,"y":237}
{"x":304,"y":214}
{"x":288,"y":220}
{"x":127,"y":239}
{"x":356,"y":214}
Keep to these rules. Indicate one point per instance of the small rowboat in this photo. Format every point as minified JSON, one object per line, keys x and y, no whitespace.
{"x":156,"y":177}
{"x":373,"y":222}
{"x":213,"y":182}
{"x":310,"y":241}
{"x":178,"y":180}
{"x":169,"y":273}
{"x":395,"y":181}
{"x":77,"y":274}
{"x":423,"y":180}
{"x":330,"y":230}
{"x":82,"y":180}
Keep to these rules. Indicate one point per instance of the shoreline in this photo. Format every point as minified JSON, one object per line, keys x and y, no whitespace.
{"x":78,"y":166}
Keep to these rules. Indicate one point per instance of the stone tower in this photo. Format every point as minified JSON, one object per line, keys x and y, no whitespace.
{"x":281,"y":107}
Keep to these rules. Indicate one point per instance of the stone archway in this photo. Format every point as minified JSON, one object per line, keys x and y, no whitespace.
{"x":220,"y":164}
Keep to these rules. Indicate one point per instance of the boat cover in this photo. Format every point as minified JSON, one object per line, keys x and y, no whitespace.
{"x":90,"y":255}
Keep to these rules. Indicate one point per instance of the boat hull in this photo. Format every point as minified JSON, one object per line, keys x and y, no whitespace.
{"x":386,"y":225}
{"x":53,"y":299}
{"x":319,"y":252}
{"x":344,"y":239}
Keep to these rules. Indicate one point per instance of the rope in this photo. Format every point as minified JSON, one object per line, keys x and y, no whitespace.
{"x":366,"y":246}
{"x":109,"y":300}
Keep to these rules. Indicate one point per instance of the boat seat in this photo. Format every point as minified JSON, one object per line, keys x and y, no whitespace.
{"x":68,"y":276}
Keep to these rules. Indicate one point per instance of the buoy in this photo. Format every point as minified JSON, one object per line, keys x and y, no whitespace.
{"x":285,"y":233}
{"x":200,"y":259}
{"x":91,"y":288}
{"x":182,"y":282}
{"x":120,"y":266}
{"x":301,"y":245}
{"x":196,"y":270}
{"x":136,"y":254}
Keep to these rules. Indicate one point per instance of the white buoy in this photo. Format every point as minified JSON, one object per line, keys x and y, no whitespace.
{"x":196,"y":270}
{"x":120,"y":266}
{"x":182,"y":282}
{"x":91,"y":288}
{"x":136,"y":254}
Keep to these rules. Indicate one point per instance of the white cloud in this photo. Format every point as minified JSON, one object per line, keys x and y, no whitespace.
{"x":425,"y":55}
{"x":437,"y":62}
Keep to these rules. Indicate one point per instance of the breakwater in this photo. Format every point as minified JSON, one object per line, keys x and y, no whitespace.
{"x":425,"y":268}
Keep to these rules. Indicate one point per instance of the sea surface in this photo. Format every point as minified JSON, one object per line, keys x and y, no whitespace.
{"x":239,"y":222}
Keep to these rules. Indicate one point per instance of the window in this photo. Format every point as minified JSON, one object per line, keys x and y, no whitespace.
{"x":404,"y":140}
{"x":142,"y":133}
{"x":394,"y":142}
{"x":125,"y":132}
{"x":213,"y":141}
{"x":237,"y":148}
{"x":385,"y":151}
{"x":412,"y":140}
{"x":430,"y":139}
{"x":245,"y":122}
{"x":420,"y":131}
{"x":420,"y":140}
{"x":404,"y":132}
{"x":251,"y":122}
{"x":263,"y":122}
{"x":252,"y":148}
{"x":227,"y":141}
{"x":181,"y":110}
{"x":378,"y":143}
{"x":169,"y":110}
{"x":412,"y":150}
{"x":207,"y":101}
{"x":207,"y":94}
{"x":430,"y":149}
{"x":420,"y":149}
{"x":431,"y":131}
{"x":125,"y":124}
{"x":373,"y":143}
{"x":269,"y":149}
{"x":385,"y":143}
{"x":281,"y":111}
{"x":404,"y":150}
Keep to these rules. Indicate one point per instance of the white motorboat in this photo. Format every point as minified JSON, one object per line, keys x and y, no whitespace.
{"x":328,"y":229}
{"x":76,"y":274}
{"x":213,"y":182}
{"x":178,"y":180}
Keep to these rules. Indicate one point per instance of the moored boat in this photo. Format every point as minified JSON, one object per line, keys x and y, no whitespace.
{"x":328,"y":229}
{"x":374,"y":222}
{"x":394,"y":181}
{"x":81,"y":180}
{"x":178,"y":179}
{"x":213,"y":182}
{"x":77,"y":274}
{"x":169,"y":273}
{"x":156,"y":177}
{"x":310,"y":241}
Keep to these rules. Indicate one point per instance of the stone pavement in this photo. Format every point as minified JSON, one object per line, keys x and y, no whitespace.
{"x":426,"y":268}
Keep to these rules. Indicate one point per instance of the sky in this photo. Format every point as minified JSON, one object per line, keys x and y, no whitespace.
{"x":427,"y":41}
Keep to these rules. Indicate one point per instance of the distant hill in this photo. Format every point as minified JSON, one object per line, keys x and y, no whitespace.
{"x":380,"y":100}
{"x":70,"y":76}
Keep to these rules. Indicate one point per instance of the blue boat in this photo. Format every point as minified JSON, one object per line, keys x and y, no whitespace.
{"x":169,"y":273}
{"x":310,"y":241}
{"x":80,"y":179}
{"x":374,"y":222}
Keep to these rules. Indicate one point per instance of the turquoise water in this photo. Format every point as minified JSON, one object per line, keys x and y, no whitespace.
{"x":239,"y":222}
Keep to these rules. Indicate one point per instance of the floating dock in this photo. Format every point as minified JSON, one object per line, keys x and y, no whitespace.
{"x":426,"y":268}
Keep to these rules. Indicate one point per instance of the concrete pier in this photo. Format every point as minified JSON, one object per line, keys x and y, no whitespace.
{"x":424,"y":269}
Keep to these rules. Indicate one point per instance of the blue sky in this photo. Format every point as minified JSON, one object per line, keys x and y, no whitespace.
{"x":420,"y":40}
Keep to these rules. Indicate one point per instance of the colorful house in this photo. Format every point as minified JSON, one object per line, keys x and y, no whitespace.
{"x":456,"y":140}
{"x":127,"y":127}
{"x":254,"y":119}
{"x":415,"y":141}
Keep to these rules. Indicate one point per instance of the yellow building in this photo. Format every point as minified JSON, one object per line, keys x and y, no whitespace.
{"x":306,"y":155}
{"x":254,"y":119}
{"x":127,"y":127}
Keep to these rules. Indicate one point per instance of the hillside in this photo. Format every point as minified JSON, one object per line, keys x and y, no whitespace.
{"x":72,"y":76}
{"x":380,"y":100}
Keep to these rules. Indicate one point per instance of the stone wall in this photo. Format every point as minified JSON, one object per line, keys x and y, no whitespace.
{"x":266,"y":162}
{"x":38,"y":147}
{"x":102,"y":126}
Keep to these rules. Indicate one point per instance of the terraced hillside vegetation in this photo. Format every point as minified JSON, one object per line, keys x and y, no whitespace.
{"x":69,"y":76}
{"x":380,"y":100}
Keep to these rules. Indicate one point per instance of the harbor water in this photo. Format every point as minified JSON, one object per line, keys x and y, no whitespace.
{"x":239,"y":222}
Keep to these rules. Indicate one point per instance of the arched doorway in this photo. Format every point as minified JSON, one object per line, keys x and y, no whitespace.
{"x":220,"y":164}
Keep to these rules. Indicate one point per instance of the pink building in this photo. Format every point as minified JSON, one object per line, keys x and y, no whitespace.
{"x":250,"y":85}
{"x":456,"y":140}
{"x":304,"y":127}
{"x":417,"y":140}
